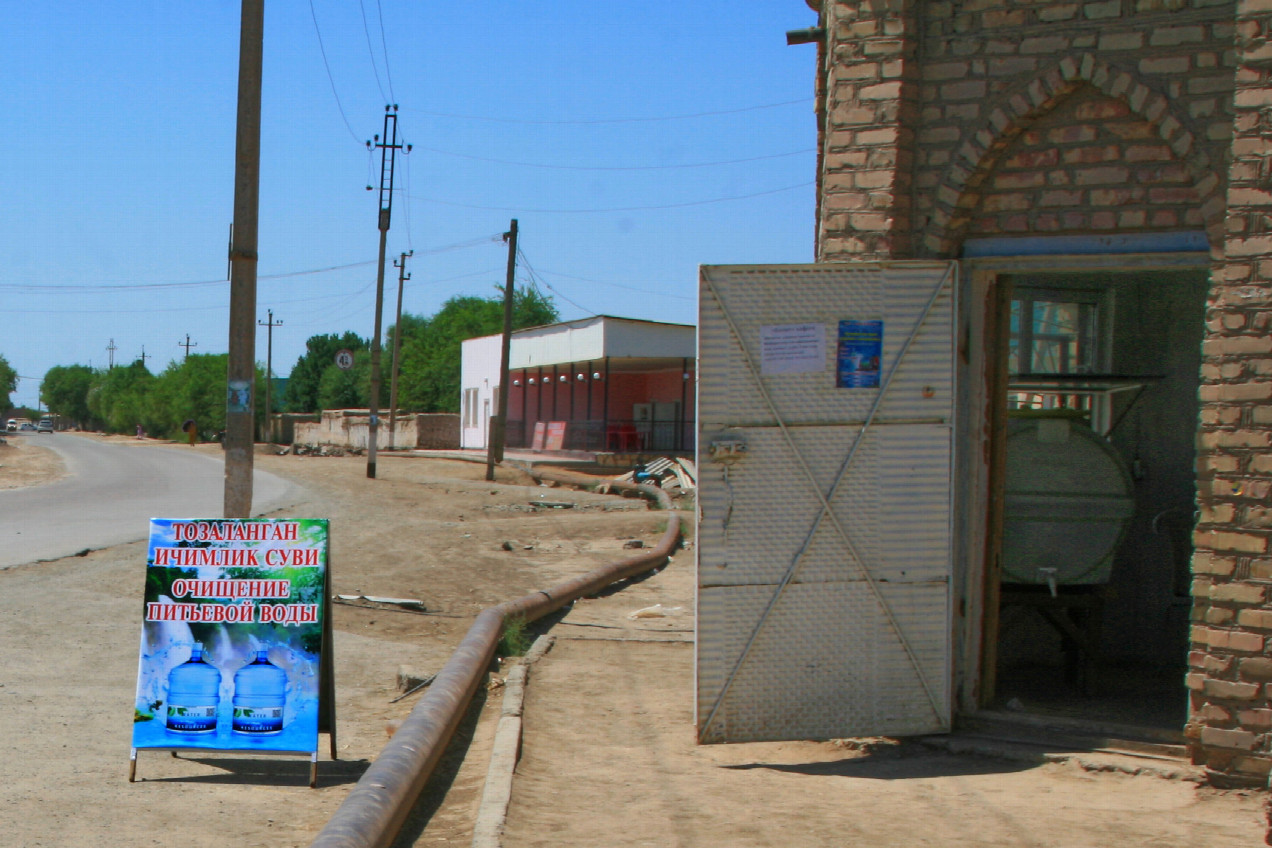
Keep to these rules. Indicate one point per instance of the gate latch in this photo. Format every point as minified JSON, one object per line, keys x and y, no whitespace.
{"x":727,"y":450}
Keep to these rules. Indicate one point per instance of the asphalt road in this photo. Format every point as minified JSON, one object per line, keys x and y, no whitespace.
{"x":110,"y":494}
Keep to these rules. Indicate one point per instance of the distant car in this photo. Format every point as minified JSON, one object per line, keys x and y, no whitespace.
{"x":45,"y":426}
{"x":11,"y":426}
{"x":26,"y":425}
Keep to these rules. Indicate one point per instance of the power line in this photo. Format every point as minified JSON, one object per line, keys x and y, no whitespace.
{"x":362,"y":6}
{"x":384,"y":45}
{"x":330,"y":79}
{"x":684,"y":117}
{"x":140,"y":311}
{"x":152,"y":309}
{"x":315,"y":270}
{"x":107,"y":287}
{"x":533,"y":277}
{"x":619,"y":167}
{"x":619,"y":286}
{"x":326,"y":316}
{"x":112,"y":287}
{"x":616,"y":208}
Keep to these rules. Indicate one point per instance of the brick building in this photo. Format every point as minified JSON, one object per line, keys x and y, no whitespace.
{"x":1108,"y":158}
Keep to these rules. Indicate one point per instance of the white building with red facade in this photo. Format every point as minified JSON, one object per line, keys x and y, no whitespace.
{"x":600,"y":384}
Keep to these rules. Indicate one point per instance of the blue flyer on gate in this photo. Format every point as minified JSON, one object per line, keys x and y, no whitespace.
{"x":859,"y":354}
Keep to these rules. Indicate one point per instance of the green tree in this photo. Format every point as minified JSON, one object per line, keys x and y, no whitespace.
{"x":346,"y":389}
{"x":431,"y":348}
{"x":8,"y":380}
{"x":118,"y":397}
{"x":65,"y":392}
{"x":306,"y":375}
{"x":195,"y":389}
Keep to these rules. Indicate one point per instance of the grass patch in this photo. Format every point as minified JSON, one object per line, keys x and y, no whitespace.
{"x":516,"y":639}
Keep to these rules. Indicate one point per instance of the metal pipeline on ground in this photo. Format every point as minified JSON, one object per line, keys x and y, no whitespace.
{"x":377,"y":807}
{"x":653,"y":493}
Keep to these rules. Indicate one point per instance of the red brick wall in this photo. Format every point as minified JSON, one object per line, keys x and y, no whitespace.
{"x":867,"y":161}
{"x":960,"y":119}
{"x":1089,"y":165}
{"x":1230,"y":675}
{"x":925,"y":100}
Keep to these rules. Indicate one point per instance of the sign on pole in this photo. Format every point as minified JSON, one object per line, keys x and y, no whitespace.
{"x":235,"y":641}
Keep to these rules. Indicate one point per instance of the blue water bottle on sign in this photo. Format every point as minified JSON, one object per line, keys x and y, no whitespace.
{"x":260,"y":693}
{"x":194,"y":695}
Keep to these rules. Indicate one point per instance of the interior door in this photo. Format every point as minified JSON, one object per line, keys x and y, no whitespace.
{"x":825,"y":410}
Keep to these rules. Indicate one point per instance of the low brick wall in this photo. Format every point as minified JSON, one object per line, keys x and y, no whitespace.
{"x":350,"y":428}
{"x":437,"y":431}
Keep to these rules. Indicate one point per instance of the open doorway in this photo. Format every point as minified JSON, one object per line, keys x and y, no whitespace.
{"x":1098,"y":494}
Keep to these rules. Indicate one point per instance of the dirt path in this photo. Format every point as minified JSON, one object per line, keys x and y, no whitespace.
{"x":608,"y":758}
{"x":425,"y":529}
{"x":25,"y":462}
{"x":608,"y":754}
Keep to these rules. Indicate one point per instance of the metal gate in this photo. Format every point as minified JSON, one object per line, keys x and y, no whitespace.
{"x":825,"y":409}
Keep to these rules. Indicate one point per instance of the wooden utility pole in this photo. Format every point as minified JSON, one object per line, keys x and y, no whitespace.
{"x":187,"y":344}
{"x":241,"y":371}
{"x":388,"y":155}
{"x":397,"y":347}
{"x":499,"y":428}
{"x":269,"y":371}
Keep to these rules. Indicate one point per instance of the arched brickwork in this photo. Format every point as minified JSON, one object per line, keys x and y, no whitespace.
{"x":980,"y":152}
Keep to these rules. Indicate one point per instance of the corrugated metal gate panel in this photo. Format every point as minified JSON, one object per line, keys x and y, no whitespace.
{"x":823,"y":667}
{"x":795,"y":294}
{"x":766,"y":512}
{"x":813,"y":625}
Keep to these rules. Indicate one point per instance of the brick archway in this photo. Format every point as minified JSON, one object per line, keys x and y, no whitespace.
{"x":979,"y":152}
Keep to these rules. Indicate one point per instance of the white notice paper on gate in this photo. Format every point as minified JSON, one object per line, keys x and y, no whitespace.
{"x":792,"y":348}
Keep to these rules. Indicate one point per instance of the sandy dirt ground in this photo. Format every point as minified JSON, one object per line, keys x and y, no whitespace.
{"x":608,"y":758}
{"x":608,"y":755}
{"x":425,"y":529}
{"x":25,"y":462}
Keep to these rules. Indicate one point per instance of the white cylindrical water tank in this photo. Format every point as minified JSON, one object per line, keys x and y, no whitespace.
{"x":1068,"y":501}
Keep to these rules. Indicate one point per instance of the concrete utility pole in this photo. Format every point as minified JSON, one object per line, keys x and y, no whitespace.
{"x":111,"y":348}
{"x":397,"y":347}
{"x":187,"y":344}
{"x":143,"y":356}
{"x":388,"y":157}
{"x":499,"y":427}
{"x":269,"y":371}
{"x":241,"y":371}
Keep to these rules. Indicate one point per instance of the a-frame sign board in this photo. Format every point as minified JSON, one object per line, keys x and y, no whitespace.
{"x":236,"y":641}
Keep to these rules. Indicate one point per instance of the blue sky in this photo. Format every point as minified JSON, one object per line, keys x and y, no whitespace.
{"x":632,"y":142}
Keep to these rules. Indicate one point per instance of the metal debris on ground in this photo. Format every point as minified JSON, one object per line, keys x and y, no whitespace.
{"x":667,"y":473}
{"x":413,"y":689}
{"x":412,"y":604}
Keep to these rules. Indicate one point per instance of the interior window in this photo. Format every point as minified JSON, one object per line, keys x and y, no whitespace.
{"x":1056,"y":333}
{"x":1053,"y":334}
